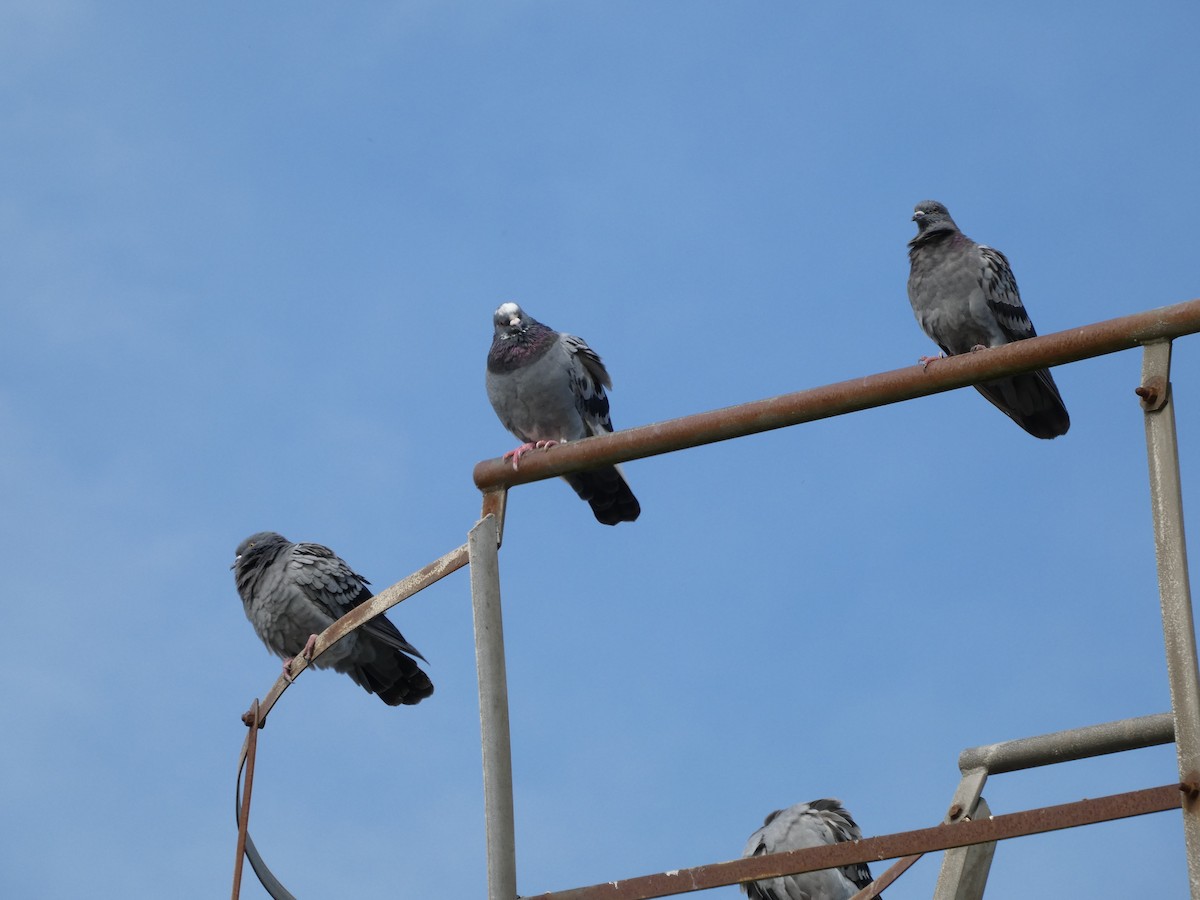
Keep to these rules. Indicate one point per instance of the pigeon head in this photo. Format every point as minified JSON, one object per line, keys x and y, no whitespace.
{"x":510,"y":321}
{"x":255,"y":546}
{"x":931,"y":217}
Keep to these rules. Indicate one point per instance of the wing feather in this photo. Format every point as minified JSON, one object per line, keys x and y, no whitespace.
{"x":1003,"y":299}
{"x":589,"y":378}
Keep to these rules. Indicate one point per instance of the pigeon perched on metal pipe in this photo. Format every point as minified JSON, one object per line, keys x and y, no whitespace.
{"x":813,"y":824}
{"x":293,"y":592}
{"x":965,"y":297}
{"x":548,"y":388}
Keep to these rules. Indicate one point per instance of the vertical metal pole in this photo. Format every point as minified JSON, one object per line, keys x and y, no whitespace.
{"x":483,"y":546}
{"x":965,"y":870}
{"x":1179,"y":633}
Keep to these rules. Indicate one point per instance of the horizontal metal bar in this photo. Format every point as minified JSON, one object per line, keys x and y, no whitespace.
{"x":856,"y":394}
{"x":1064,"y":746}
{"x":891,"y":846}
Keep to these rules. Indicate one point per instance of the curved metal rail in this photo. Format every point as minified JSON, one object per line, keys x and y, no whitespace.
{"x":257,"y":714}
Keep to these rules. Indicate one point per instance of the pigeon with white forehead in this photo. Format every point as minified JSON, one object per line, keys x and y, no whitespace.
{"x":965,"y":297}
{"x":548,"y":388}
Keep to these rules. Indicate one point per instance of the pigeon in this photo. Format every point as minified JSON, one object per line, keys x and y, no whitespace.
{"x":292,"y":592}
{"x":548,"y":388}
{"x":812,"y":824}
{"x":965,"y":297}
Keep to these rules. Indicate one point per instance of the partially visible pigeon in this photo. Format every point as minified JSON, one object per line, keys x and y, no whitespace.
{"x":292,"y":592}
{"x":548,"y":388}
{"x":804,"y":825}
{"x":965,"y":297}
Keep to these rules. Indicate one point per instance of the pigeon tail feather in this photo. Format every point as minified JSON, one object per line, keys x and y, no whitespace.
{"x":607,"y":493}
{"x":1032,"y":401}
{"x":397,"y":681}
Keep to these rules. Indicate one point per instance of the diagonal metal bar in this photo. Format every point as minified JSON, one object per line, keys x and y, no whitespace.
{"x":891,"y":846}
{"x":1175,"y":595}
{"x":884,"y":881}
{"x":846,"y":396}
{"x":377,"y":605}
{"x":964,"y":871}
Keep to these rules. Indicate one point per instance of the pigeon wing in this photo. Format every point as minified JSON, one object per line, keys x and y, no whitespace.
{"x":336,"y":588}
{"x":814,"y":824}
{"x":1000,"y":290}
{"x":843,"y":827}
{"x":588,"y":378}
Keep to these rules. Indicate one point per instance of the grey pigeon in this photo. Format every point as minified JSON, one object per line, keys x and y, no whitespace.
{"x":292,"y":592}
{"x":812,"y":824}
{"x":965,"y":297}
{"x":547,"y":388}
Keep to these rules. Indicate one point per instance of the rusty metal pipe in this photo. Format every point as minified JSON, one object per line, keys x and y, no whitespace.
{"x":890,"y":846}
{"x":244,"y":804}
{"x":846,"y":396}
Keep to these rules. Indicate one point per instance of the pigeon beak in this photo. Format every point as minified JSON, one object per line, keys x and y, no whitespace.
{"x":235,"y":561}
{"x":514,"y":322}
{"x":918,"y":216}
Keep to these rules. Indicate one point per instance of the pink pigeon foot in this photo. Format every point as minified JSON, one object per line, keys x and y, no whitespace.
{"x":515,"y":455}
{"x":977,"y":348}
{"x":926,"y":360}
{"x":306,"y":652}
{"x":525,"y":448}
{"x":308,"y":647}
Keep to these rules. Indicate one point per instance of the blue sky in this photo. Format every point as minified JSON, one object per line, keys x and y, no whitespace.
{"x":251,"y":257}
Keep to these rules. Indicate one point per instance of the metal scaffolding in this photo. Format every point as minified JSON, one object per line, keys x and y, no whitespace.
{"x":968,"y":823}
{"x":969,"y":831}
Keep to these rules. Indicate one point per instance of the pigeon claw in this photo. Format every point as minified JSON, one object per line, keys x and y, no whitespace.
{"x":926,"y":360}
{"x":306,"y":651}
{"x":308,"y":647}
{"x":515,"y":455}
{"x":525,"y":448}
